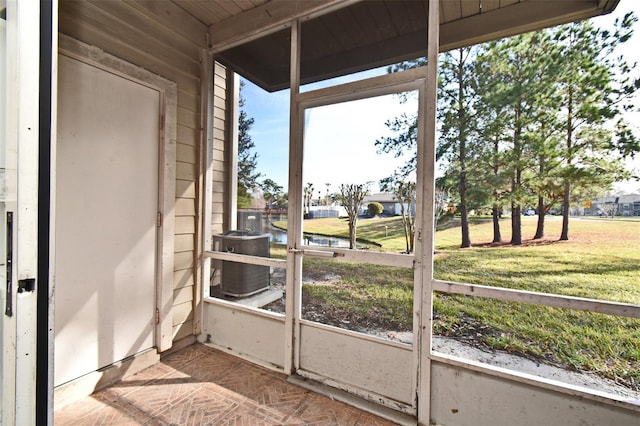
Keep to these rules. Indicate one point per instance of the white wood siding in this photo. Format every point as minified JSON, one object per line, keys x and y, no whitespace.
{"x":220,"y":138}
{"x":165,"y":40}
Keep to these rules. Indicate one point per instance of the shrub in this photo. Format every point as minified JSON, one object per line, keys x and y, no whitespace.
{"x":374,"y":209}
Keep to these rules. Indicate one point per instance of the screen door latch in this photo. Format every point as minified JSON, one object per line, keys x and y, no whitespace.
{"x":26,"y":285}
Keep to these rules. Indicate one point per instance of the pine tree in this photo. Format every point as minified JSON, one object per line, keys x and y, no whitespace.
{"x":510,"y":81}
{"x":543,"y":135}
{"x":247,"y":157}
{"x":592,"y":95}
{"x":458,"y":128}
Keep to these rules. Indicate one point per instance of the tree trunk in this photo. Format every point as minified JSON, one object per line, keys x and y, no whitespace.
{"x":566,"y":199}
{"x":464,"y":213}
{"x":407,"y":234}
{"x":462,"y":156}
{"x":516,"y":222}
{"x":516,"y":210}
{"x":405,"y":220}
{"x":566,"y":202}
{"x":516,"y":180}
{"x":495,"y":213}
{"x":541,"y":215}
{"x":412,"y":239}
{"x":352,"y":233}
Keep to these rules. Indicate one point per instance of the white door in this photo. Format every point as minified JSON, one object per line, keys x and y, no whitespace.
{"x":107,"y":204}
{"x":19,"y":96}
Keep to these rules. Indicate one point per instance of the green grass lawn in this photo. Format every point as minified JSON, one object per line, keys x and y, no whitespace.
{"x":600,"y":261}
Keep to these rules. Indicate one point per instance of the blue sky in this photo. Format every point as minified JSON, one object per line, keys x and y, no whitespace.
{"x":333,"y":136}
{"x":339,"y":146}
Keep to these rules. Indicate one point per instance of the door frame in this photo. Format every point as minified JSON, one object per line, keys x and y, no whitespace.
{"x":249,"y":320}
{"x":411,"y":80}
{"x":425,"y":181}
{"x":26,"y":111}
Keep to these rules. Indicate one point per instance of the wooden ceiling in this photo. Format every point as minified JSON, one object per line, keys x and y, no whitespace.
{"x":345,"y":36}
{"x":211,"y":12}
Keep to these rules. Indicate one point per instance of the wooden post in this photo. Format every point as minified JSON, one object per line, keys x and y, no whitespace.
{"x":425,"y":226}
{"x":294,"y":218}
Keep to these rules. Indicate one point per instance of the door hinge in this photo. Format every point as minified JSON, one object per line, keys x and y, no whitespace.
{"x":157,"y":316}
{"x":159,"y":220}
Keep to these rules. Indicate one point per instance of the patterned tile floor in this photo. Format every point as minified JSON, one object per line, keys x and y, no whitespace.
{"x":202,"y":386}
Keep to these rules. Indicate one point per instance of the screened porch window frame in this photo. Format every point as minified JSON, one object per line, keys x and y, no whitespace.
{"x":425,"y":286}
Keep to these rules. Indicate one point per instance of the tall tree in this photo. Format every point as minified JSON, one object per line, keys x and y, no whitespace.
{"x":593,"y":94}
{"x":545,"y":184}
{"x":351,"y":196}
{"x":308,"y":195}
{"x":493,"y":160}
{"x":247,"y":157}
{"x":458,"y":129}
{"x":326,"y":197}
{"x":542,"y":136}
{"x":511,"y":80}
{"x":491,"y":157}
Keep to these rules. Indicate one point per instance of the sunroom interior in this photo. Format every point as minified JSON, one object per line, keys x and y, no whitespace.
{"x":184,"y":58}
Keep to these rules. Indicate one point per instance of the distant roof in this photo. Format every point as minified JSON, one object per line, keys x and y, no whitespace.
{"x":382,"y":197}
{"x":621,"y":199}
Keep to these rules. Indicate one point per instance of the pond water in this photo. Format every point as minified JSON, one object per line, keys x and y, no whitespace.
{"x":279,"y":236}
